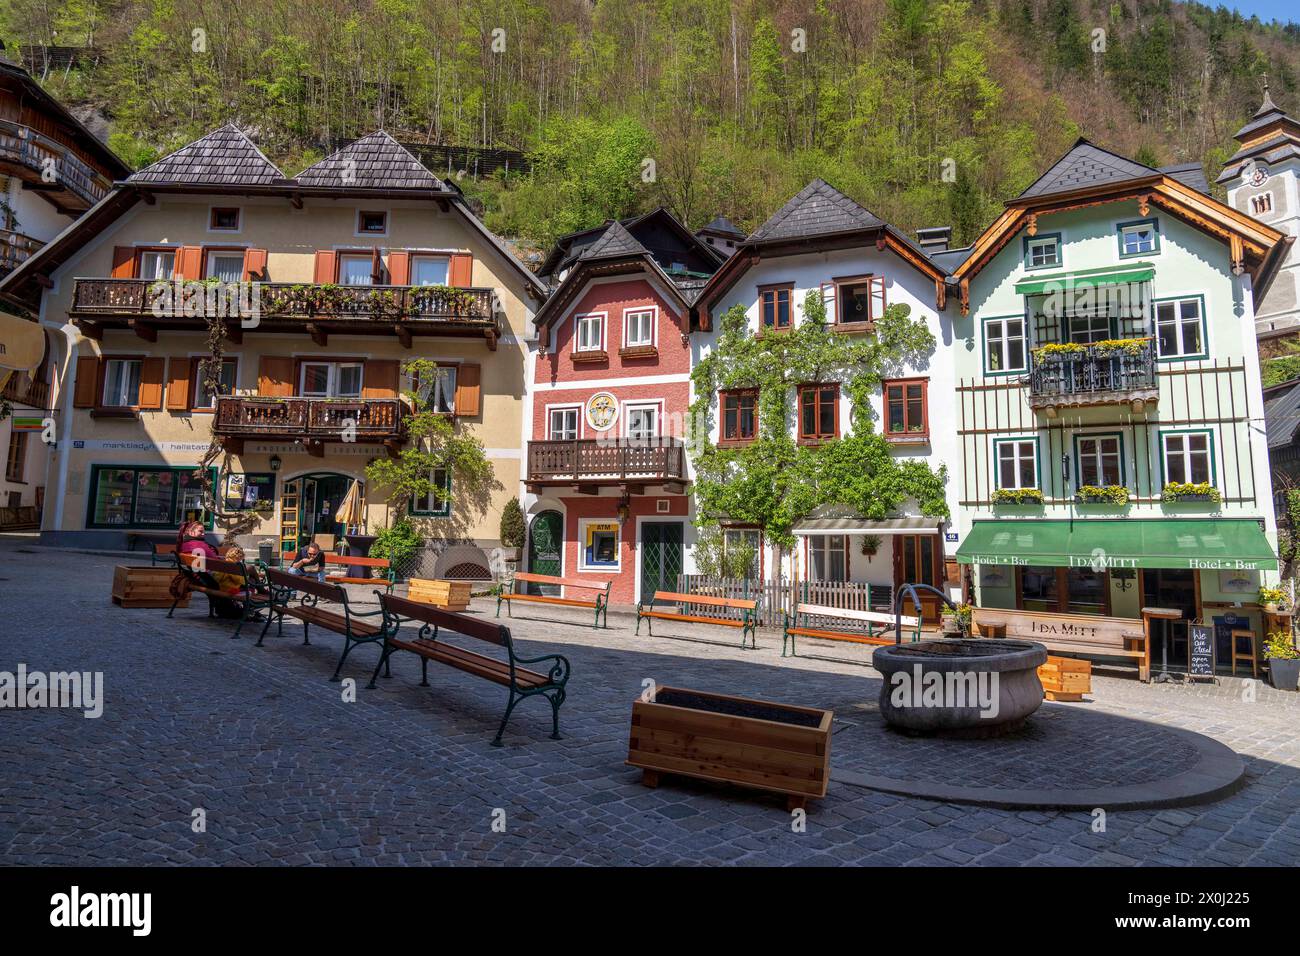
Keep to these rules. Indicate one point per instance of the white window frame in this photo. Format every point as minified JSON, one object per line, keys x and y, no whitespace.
{"x":1136,"y":227}
{"x":213,"y":254}
{"x":198,"y":384}
{"x":1089,"y":319}
{"x":1098,"y":457}
{"x":1018,"y":459}
{"x":109,"y":361}
{"x":1038,"y":243}
{"x":1005,"y":341}
{"x":157,"y":252}
{"x":598,"y":319}
{"x":423,"y":509}
{"x":583,"y":524}
{"x":822,"y":543}
{"x":417,"y":258}
{"x":576,"y":409}
{"x":625,"y":413}
{"x":1186,"y":454}
{"x":344,"y":257}
{"x":332,"y":382}
{"x":653,"y":340}
{"x":1202,"y":326}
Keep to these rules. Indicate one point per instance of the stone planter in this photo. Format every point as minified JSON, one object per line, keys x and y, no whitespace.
{"x":966,"y":687}
{"x":1284,"y":674}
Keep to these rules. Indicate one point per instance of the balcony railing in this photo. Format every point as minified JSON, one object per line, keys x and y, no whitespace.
{"x":15,"y":249}
{"x":40,"y":160}
{"x":598,"y":460}
{"x":1093,"y":376}
{"x":305,"y":301}
{"x":321,"y":419}
{"x":21,"y":390}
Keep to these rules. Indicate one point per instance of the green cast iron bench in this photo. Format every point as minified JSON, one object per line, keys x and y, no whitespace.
{"x":385,"y":576}
{"x":345,"y":620}
{"x":253,"y":597}
{"x":747,"y":621}
{"x":801,"y":624}
{"x":436,"y":623}
{"x":600,"y":603}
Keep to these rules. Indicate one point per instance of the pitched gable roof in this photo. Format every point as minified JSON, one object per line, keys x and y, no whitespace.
{"x":1189,"y":174}
{"x":1084,"y":166}
{"x":226,"y":156}
{"x":723,"y":226}
{"x":614,"y":242}
{"x":375,"y":161}
{"x":819,"y":209}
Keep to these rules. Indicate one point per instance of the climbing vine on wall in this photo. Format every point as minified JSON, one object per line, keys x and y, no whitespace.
{"x":773,"y":482}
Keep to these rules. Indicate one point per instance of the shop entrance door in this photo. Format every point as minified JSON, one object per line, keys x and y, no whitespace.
{"x":661,"y":557}
{"x":1172,"y":588}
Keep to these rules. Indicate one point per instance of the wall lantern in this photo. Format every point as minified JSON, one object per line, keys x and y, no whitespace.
{"x":275,"y":462}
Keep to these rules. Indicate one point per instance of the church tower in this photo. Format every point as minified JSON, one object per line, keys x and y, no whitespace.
{"x":1263,"y":181}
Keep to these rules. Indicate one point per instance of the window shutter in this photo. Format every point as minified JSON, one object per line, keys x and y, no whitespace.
{"x":152,"y":372}
{"x":178,"y":384}
{"x":86,"y":391}
{"x":275,"y":376}
{"x":189,"y":262}
{"x":379,"y":379}
{"x":467,"y":390}
{"x":399,"y":268}
{"x":325,"y":267}
{"x":876,"y":286}
{"x":460,"y":272}
{"x":255,"y":265}
{"x":376,"y":266}
{"x":123,"y":262}
{"x":828,"y":300}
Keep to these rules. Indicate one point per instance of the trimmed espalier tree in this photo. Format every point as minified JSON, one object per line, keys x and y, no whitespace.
{"x":774,"y":482}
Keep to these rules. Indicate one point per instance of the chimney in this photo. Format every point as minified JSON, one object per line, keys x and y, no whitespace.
{"x":935,"y":239}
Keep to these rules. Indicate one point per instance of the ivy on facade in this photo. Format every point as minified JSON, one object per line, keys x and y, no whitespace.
{"x":774,"y":481}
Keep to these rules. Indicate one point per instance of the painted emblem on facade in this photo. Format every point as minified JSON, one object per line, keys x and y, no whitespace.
{"x":602,"y":411}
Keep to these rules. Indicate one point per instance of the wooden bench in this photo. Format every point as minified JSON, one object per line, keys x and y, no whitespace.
{"x":387,"y":577}
{"x":1070,"y":634}
{"x":164,"y":552}
{"x":345,"y":620}
{"x":599,"y":603}
{"x":794,"y":627}
{"x":434,"y":622}
{"x":252,"y":598}
{"x":747,"y":621}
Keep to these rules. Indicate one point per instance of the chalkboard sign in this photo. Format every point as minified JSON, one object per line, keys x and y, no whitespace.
{"x":1200,"y":651}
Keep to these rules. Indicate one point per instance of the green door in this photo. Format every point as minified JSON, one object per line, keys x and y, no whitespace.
{"x":661,"y":557}
{"x":546,"y":549}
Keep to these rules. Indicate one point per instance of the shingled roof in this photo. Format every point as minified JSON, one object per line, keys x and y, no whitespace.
{"x":613,"y":243}
{"x":1282,"y":417}
{"x":723,"y":226}
{"x":819,"y":209}
{"x":1083,"y":166}
{"x":223,"y":157}
{"x":375,"y":161}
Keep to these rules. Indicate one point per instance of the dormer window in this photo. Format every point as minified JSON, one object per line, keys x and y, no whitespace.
{"x":224,"y":219}
{"x":372,"y":223}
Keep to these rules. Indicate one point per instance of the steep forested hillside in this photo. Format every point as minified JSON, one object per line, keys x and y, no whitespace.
{"x":737,"y":102}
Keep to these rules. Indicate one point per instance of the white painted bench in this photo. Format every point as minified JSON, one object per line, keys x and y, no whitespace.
{"x":801,"y":626}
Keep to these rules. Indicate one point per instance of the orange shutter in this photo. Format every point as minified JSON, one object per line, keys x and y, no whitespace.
{"x":325,"y":268}
{"x":152,"y":372}
{"x":460,"y":272}
{"x":86,"y":390}
{"x":254,"y":265}
{"x":399,"y":268}
{"x":178,"y":384}
{"x":379,"y":379}
{"x":189,"y":262}
{"x":275,"y":376}
{"x":467,"y":390}
{"x":376,"y":266}
{"x":123,"y":262}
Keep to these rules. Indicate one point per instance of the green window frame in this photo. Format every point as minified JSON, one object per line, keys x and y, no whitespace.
{"x":129,"y":501}
{"x":1178,"y":322}
{"x":1005,"y":341}
{"x":1079,"y":455}
{"x":1031,"y":241}
{"x":422,"y":509}
{"x":1165,"y":434}
{"x":1151,"y":221}
{"x":1017,"y":458}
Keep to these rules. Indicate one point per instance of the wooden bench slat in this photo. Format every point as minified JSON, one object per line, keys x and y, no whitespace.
{"x":562,"y":582}
{"x":547,"y":599}
{"x":669,"y":616}
{"x":842,"y":636}
{"x":676,"y":597}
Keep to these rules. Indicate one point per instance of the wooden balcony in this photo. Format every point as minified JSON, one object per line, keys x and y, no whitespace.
{"x":312,"y":421}
{"x":15,"y":248}
{"x":589,"y":463}
{"x":292,"y":307}
{"x":1093,"y":377}
{"x":49,"y":167}
{"x":21,"y":390}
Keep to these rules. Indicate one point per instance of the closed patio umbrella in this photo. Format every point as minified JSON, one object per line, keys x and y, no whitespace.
{"x":350,"y":513}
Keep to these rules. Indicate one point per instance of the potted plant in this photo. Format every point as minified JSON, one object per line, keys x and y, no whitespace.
{"x":1102,"y":494}
{"x":958,"y":621}
{"x":1283,"y":660}
{"x":512,"y":531}
{"x":1018,"y":496}
{"x":870,"y":545}
{"x":1190,"y":491}
{"x":1272,"y":600}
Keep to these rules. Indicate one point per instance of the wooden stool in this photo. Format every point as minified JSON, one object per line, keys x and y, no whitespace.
{"x":1254,"y":663}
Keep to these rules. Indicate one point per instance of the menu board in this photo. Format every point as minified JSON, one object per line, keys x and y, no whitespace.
{"x":1200,"y":651}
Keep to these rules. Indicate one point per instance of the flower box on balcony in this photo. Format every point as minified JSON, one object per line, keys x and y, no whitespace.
{"x":1102,"y":495}
{"x":1018,"y":496}
{"x":1186,"y":491}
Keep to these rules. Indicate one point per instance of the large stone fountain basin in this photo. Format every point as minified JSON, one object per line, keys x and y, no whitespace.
{"x":961,"y":686}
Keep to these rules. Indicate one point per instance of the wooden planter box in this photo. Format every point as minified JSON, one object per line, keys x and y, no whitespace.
{"x":753,"y":743}
{"x":144,"y":586}
{"x":1064,"y":678}
{"x":448,"y":595}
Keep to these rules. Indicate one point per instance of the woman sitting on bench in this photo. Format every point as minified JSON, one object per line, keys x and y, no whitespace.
{"x":190,"y":540}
